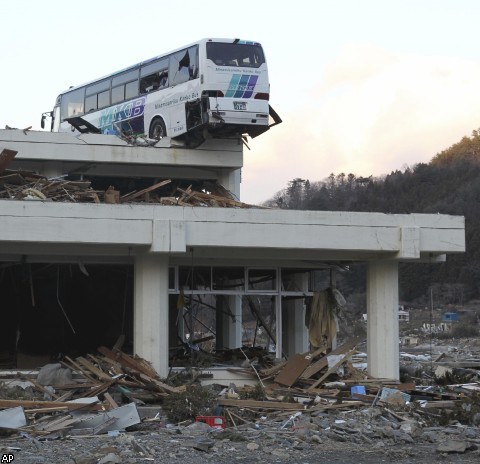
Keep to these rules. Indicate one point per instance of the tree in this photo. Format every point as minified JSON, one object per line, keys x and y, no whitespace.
{"x":295,"y":192}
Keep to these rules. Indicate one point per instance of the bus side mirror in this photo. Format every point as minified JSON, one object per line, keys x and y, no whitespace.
{"x":48,"y":114}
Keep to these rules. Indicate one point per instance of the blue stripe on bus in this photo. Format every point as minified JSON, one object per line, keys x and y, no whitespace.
{"x":232,"y":87}
{"x":242,"y":86}
{"x":250,"y":87}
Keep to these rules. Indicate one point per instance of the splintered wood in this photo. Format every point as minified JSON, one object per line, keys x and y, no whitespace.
{"x":22,"y":185}
{"x":6,"y":156}
{"x":26,"y":185}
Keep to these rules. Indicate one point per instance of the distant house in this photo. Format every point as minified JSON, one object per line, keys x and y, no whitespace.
{"x":403,"y":316}
{"x":409,"y":341}
{"x":450,"y":317}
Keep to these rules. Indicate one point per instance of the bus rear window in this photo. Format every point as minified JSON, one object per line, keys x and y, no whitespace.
{"x":235,"y":54}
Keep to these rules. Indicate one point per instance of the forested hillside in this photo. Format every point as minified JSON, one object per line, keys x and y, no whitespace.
{"x":449,"y":184}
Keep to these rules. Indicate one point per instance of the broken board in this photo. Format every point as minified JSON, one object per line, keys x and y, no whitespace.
{"x":293,"y":369}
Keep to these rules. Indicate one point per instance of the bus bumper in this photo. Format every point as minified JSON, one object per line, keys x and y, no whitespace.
{"x":237,"y":111}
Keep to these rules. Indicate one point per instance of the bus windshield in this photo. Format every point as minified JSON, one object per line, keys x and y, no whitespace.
{"x":239,"y":55}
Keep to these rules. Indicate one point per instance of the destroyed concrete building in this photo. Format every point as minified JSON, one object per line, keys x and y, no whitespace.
{"x":93,"y":250}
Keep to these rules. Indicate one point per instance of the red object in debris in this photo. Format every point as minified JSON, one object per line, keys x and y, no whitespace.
{"x":217,"y":422}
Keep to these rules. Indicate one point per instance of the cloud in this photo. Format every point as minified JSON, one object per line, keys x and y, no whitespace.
{"x":372,"y":111}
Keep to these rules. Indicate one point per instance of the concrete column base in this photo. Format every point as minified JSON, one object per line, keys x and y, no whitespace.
{"x":150,"y":337}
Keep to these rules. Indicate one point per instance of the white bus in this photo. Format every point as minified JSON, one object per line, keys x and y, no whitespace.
{"x":218,"y":85}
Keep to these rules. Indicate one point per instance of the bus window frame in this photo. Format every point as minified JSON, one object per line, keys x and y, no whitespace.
{"x":175,"y":77}
{"x":67,"y":101}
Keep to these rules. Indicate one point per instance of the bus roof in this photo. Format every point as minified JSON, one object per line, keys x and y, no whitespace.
{"x":145,"y":62}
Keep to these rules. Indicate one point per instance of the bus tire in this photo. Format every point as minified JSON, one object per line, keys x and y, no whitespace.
{"x":157,"y":129}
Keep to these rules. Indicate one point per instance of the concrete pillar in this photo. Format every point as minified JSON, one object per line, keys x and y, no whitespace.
{"x":228,"y":329}
{"x":295,"y":333}
{"x":382,"y":320}
{"x":231,"y":181}
{"x":150,"y":336}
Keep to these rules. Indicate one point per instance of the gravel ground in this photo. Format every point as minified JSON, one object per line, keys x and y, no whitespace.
{"x":362,"y":438}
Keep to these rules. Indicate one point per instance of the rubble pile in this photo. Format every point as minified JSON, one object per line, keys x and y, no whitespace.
{"x":26,"y":185}
{"x":22,"y":185}
{"x":298,"y":406}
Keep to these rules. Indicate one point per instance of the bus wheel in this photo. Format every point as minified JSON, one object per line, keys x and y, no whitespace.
{"x":157,"y":129}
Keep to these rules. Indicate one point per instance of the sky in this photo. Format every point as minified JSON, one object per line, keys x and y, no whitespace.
{"x":364,"y":87}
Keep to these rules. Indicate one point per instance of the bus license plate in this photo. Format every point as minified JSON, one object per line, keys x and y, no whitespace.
{"x":239,"y":106}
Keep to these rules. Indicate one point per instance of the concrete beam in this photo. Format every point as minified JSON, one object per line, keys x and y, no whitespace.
{"x":110,"y":149}
{"x":227,"y":232}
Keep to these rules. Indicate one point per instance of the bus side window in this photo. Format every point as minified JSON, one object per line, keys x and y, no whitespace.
{"x":131,"y":90}
{"x":149,"y":83}
{"x":125,"y":86}
{"x":183,"y":66}
{"x":104,"y":99}
{"x":118,"y":94}
{"x":90,"y":103}
{"x":163,"y":79}
{"x":154,"y":82}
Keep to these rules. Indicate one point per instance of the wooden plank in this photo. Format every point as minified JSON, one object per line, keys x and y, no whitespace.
{"x":272,"y":370}
{"x":39,"y":387}
{"x":46,"y":410}
{"x":379,"y":381}
{"x":55,"y":423}
{"x":365,"y":398}
{"x":141,"y":192}
{"x":332,"y":369}
{"x":29,"y":404}
{"x":12,"y":179}
{"x":292,"y":370}
{"x":100,"y":389}
{"x":440,"y":404}
{"x":110,"y":364}
{"x":110,"y":400}
{"x":320,"y":350}
{"x":405,"y":386}
{"x":66,"y":396}
{"x":68,"y":422}
{"x":76,"y":386}
{"x":342,"y":405}
{"x":260,"y":404}
{"x":127,"y":361}
{"x":6,"y":157}
{"x":161,"y":385}
{"x":77,"y":367}
{"x":322,"y":362}
{"x":93,"y":369}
